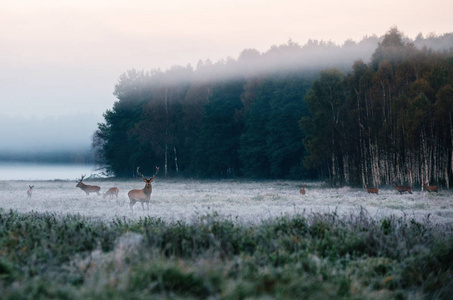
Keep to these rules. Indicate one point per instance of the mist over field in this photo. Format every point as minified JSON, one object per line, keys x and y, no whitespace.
{"x":58,"y":139}
{"x":239,"y":201}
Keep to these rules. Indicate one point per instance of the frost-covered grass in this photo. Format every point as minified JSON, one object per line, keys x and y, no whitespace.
{"x":224,"y":240}
{"x":304,"y":256}
{"x":239,"y":201}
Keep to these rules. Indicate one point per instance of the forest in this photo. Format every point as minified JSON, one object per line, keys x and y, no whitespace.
{"x":372,"y":112}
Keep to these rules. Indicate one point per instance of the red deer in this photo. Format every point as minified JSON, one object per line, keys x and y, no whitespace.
{"x":88,"y":188}
{"x":432,"y":188}
{"x":302,"y":190}
{"x":112,"y":192}
{"x":143,"y":195}
{"x":372,"y":190}
{"x":403,"y":188}
{"x":30,"y":190}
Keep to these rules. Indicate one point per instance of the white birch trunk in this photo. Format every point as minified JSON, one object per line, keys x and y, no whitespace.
{"x":176,"y":160}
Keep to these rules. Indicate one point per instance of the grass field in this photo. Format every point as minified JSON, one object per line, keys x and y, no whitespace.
{"x":224,"y":240}
{"x":244,"y":201}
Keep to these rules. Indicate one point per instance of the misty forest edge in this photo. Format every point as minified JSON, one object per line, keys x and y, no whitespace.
{"x":378,"y":122}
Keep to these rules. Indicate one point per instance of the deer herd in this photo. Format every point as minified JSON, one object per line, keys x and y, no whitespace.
{"x":400,"y":188}
{"x":144,"y":195}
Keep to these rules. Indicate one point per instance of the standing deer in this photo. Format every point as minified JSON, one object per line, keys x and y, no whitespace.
{"x":30,"y":190}
{"x":143,"y":195}
{"x":302,"y":190}
{"x":371,"y":190}
{"x":403,"y":188}
{"x":112,"y":192}
{"x":432,"y":188}
{"x":88,"y":188}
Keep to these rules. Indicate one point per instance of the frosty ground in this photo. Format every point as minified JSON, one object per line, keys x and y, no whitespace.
{"x":239,"y":201}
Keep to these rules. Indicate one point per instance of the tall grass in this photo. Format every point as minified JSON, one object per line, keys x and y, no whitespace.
{"x":311,"y":256}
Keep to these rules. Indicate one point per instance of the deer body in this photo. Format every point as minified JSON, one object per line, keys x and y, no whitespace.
{"x":371,"y":190}
{"x":30,"y":190}
{"x":143,"y":195}
{"x":403,"y":188}
{"x":432,"y":188}
{"x":302,"y":190}
{"x":112,"y":192}
{"x":88,"y":188}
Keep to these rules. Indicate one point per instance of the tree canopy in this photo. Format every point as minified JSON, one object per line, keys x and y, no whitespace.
{"x":346,"y":121}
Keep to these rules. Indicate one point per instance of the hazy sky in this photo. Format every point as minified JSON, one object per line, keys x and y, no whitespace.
{"x":60,"y":57}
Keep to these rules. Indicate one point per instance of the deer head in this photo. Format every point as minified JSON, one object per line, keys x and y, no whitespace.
{"x":79,"y":181}
{"x":145,"y":180}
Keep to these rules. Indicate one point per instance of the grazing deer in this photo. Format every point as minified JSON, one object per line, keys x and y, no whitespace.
{"x":372,"y":190}
{"x":112,"y":192}
{"x":88,"y":188}
{"x":432,"y":188}
{"x":30,"y":190}
{"x":302,"y":190}
{"x":403,"y":188}
{"x":143,"y":195}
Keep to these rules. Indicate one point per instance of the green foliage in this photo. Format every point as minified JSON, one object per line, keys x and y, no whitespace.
{"x":383,"y":121}
{"x":310,"y":256}
{"x":217,"y":154}
{"x":271,"y":144}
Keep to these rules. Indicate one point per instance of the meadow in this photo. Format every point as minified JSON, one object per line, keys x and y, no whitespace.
{"x":241,"y":201}
{"x":224,"y":240}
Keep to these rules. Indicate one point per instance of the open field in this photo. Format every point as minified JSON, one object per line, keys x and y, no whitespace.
{"x":224,"y":240}
{"x":243,"y":201}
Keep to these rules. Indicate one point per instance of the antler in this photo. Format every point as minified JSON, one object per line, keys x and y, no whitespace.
{"x":157,"y":171}
{"x":143,"y":177}
{"x":83,"y":176}
{"x":140,"y":174}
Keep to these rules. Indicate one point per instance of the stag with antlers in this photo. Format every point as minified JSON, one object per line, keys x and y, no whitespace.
{"x":88,"y":188}
{"x":143,"y":195}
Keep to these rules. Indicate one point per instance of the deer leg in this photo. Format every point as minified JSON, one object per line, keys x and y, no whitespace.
{"x":143,"y":206}
{"x":131,"y":204}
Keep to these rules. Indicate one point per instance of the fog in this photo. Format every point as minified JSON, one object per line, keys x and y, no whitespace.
{"x":59,"y":61}
{"x":30,"y":125}
{"x":70,"y":133}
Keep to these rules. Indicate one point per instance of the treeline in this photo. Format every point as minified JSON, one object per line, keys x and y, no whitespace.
{"x":248,"y":117}
{"x":389,"y":120}
{"x":209,"y":128}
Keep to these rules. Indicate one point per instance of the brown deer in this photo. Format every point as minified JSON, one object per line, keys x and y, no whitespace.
{"x":30,"y":190}
{"x":112,"y":192}
{"x":432,"y":188}
{"x":302,"y":190}
{"x":372,"y":190}
{"x":143,"y":195}
{"x":88,"y":188}
{"x":403,"y":188}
